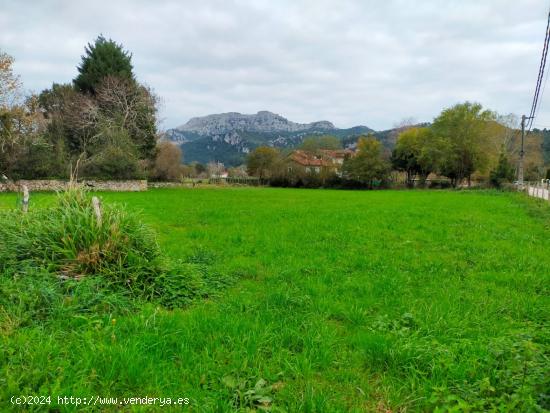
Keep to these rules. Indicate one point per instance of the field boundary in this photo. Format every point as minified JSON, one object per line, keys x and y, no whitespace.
{"x":52,"y":185}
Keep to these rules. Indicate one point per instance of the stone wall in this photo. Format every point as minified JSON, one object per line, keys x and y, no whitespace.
{"x":166,"y":185}
{"x":58,"y":185}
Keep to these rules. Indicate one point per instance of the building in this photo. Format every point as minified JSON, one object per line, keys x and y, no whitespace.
{"x":322,"y":160}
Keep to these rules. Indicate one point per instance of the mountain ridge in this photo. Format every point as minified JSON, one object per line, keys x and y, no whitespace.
{"x":263,"y":121}
{"x":229,"y":137}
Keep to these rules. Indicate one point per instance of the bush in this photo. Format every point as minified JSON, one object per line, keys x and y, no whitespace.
{"x":68,"y":240}
{"x":36,"y":161}
{"x":504,"y":172}
{"x":59,"y":261}
{"x":114,"y":156}
{"x":113,"y":162}
{"x":168,"y":165}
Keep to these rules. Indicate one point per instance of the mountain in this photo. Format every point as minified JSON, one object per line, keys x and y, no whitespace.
{"x":262,"y":121}
{"x":228,"y":137}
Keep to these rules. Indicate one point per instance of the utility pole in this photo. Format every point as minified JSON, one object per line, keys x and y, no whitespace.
{"x":522,"y":152}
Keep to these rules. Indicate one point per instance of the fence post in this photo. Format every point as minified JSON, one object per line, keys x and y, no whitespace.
{"x":97,"y":210}
{"x":25,"y":205}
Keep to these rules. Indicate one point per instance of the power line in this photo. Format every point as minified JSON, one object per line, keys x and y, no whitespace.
{"x":540,"y":76}
{"x":534,"y":106}
{"x":541,"y":72}
{"x":540,"y":101}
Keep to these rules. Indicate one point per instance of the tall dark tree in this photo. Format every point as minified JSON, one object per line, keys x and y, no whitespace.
{"x":107,"y":120}
{"x":101,"y":59}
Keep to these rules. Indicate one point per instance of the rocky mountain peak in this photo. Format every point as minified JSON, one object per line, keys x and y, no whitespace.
{"x":263,"y":121}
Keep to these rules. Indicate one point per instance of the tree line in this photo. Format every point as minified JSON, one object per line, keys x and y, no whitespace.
{"x":104,"y":122}
{"x":463,"y":142}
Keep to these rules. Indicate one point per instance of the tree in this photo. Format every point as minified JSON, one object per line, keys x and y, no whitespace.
{"x":126,"y":104}
{"x":111,"y":155}
{"x":504,"y":137}
{"x":168,"y":162}
{"x":118,"y":104}
{"x":101,"y":59}
{"x":55,"y":104}
{"x":105,"y":116}
{"x":398,"y":128}
{"x":504,"y":171}
{"x":105,"y":104}
{"x":215,"y":169}
{"x":21,"y":123}
{"x":316,"y":143}
{"x":10,"y":84}
{"x":9,"y":90}
{"x":200,"y":169}
{"x":463,"y":130}
{"x":54,"y":101}
{"x":415,"y":153}
{"x":368,"y":165}
{"x":545,"y":135}
{"x":263,"y":162}
{"x":237,"y":172}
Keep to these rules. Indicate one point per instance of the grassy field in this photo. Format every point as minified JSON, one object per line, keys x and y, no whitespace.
{"x":339,"y":301}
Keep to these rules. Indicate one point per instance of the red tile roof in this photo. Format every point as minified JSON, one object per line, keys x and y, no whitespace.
{"x":325,"y":157}
{"x":308,"y":159}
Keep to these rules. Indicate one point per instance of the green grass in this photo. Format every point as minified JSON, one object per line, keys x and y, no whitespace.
{"x":343,"y":301}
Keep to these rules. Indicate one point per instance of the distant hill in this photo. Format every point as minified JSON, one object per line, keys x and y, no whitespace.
{"x":229,"y":137}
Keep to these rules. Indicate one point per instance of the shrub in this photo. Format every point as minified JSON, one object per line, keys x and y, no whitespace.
{"x":168,"y":165}
{"x":62,"y":260}
{"x":113,"y":162}
{"x":504,"y":172}
{"x":68,"y":240}
{"x":113,"y":156}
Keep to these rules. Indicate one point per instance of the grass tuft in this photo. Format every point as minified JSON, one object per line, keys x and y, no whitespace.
{"x":68,"y":240}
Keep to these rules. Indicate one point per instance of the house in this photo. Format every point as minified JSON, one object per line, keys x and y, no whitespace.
{"x":216,"y":170}
{"x":322,"y":160}
{"x":337,"y":156}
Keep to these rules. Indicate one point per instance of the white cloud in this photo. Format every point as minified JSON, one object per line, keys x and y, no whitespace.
{"x":351,"y":62}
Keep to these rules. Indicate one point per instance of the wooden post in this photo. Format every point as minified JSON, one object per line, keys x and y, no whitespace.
{"x":25,"y":199}
{"x":97,"y":209}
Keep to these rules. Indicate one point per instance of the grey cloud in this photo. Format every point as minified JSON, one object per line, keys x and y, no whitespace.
{"x":350,"y":62}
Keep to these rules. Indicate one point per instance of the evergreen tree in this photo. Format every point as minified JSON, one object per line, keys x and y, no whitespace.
{"x":504,"y":171}
{"x":103,"y":58}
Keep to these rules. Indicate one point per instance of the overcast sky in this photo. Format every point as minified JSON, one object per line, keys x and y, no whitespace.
{"x":351,"y":62}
